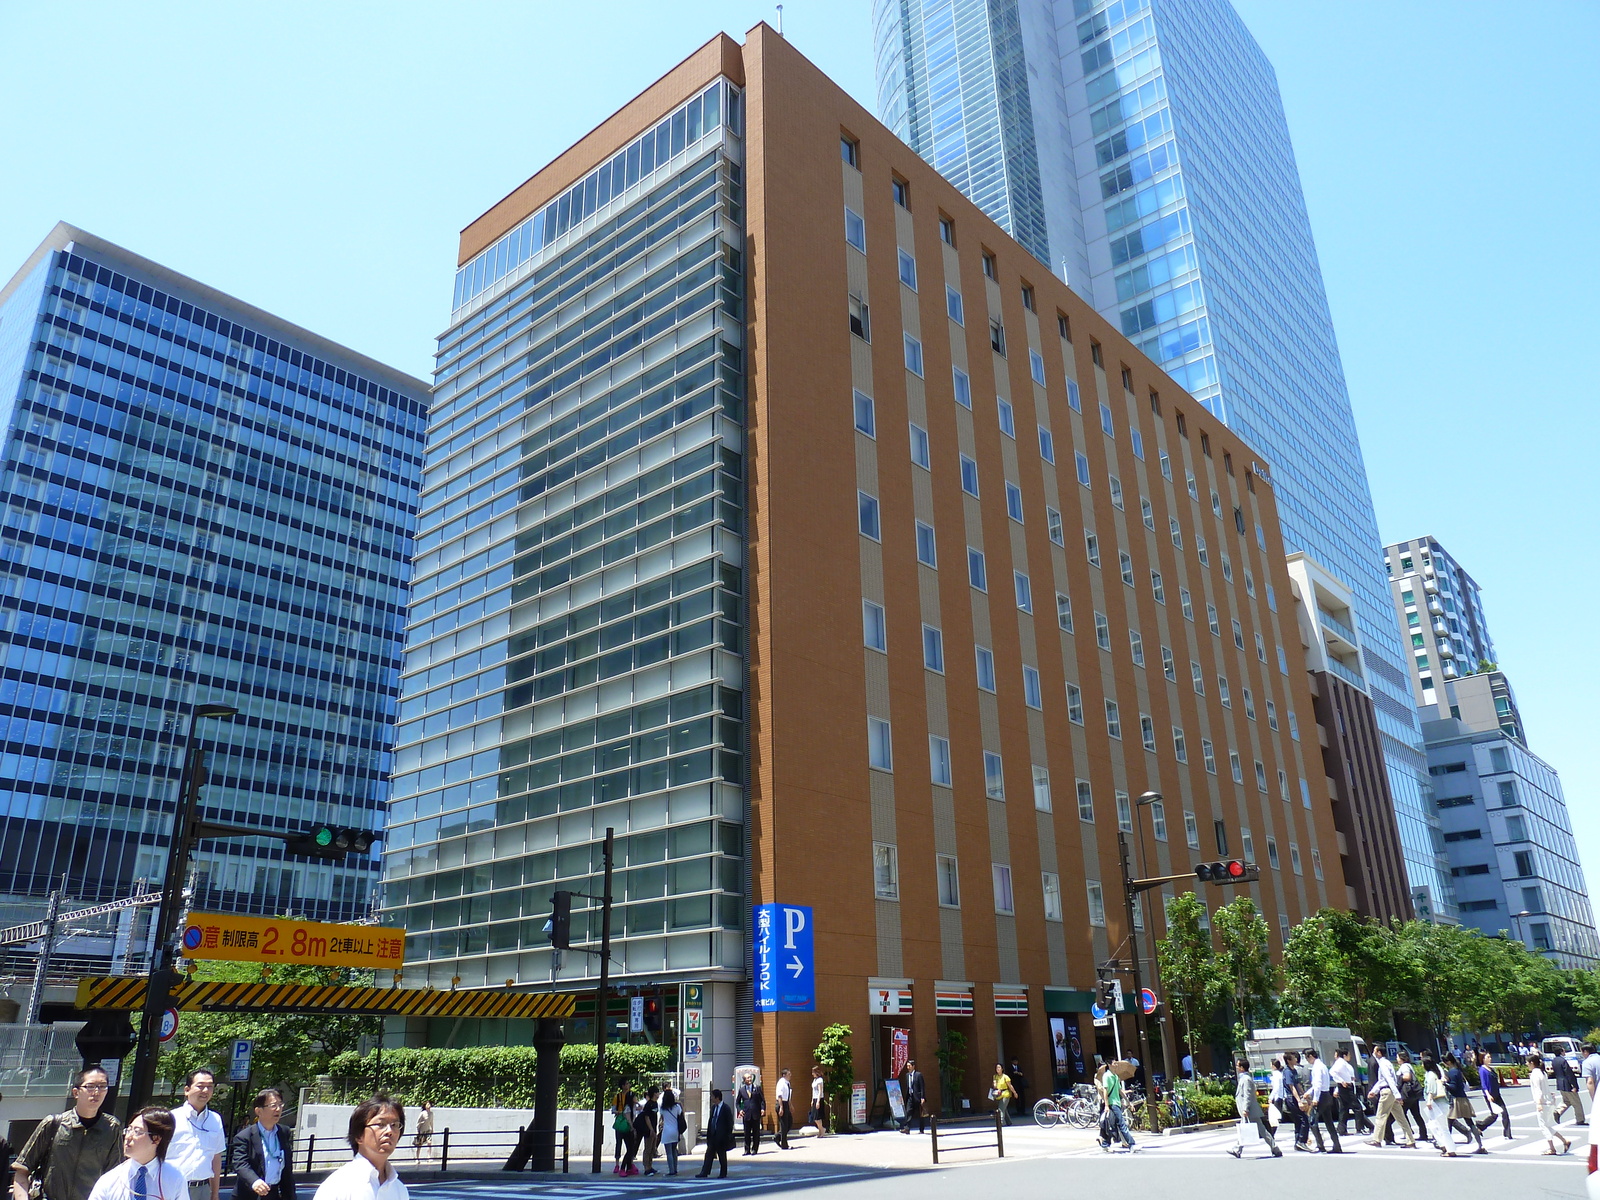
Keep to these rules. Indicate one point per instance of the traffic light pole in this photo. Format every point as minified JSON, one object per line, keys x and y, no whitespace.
{"x":600,"y":1013}
{"x":1129,"y":895}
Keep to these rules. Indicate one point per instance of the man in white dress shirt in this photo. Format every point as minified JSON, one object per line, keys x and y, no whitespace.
{"x":144,"y":1174}
{"x":375,"y":1129}
{"x":198,"y":1139}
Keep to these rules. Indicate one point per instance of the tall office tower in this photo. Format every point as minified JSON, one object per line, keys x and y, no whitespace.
{"x":203,"y":504}
{"x":1159,"y":163}
{"x":1506,"y":828}
{"x":782,"y":515}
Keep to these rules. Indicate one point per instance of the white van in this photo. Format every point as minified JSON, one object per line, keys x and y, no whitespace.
{"x":1326,"y":1040}
{"x":1570,"y":1049}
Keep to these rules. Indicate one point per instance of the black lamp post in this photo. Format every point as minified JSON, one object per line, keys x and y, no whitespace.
{"x":162,"y":977}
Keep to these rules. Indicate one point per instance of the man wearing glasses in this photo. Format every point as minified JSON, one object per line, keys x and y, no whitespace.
{"x":199,"y":1141}
{"x":375,"y":1129}
{"x":71,"y":1149}
{"x":262,"y":1156}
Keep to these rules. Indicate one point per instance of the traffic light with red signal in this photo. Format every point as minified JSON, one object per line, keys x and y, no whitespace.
{"x":1232,"y":871}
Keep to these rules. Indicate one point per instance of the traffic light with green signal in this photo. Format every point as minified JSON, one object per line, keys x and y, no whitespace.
{"x":330,"y":841}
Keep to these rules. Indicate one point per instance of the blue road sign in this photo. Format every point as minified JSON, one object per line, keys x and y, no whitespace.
{"x":786,"y":978}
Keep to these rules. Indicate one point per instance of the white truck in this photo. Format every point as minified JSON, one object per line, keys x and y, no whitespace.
{"x":1326,"y":1040}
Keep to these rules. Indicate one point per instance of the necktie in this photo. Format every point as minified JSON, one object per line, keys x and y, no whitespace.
{"x":141,"y":1182}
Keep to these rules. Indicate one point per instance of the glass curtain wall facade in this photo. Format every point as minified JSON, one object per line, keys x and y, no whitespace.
{"x":1186,"y":211}
{"x":201,"y":503}
{"x":575,"y":658}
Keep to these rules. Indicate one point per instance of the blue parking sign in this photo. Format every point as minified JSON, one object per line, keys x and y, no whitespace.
{"x":784,"y":963}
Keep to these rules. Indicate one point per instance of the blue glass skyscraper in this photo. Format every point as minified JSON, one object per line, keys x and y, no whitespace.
{"x":201,"y":503}
{"x":1159,"y":166}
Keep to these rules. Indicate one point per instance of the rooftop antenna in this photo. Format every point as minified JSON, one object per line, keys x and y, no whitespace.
{"x":780,"y":20}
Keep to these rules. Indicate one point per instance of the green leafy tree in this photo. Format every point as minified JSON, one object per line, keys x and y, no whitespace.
{"x":1189,"y":973}
{"x":952,"y":1055}
{"x":1344,"y":970}
{"x":834,"y":1056}
{"x":1244,"y":960}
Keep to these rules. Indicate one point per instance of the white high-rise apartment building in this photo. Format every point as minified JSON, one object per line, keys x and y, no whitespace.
{"x":1140,"y":149}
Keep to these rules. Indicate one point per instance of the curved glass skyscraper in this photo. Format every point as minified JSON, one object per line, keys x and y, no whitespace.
{"x":1147,"y":141}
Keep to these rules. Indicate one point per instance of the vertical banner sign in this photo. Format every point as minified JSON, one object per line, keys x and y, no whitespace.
{"x":899,"y":1051}
{"x":1058,"y":1044}
{"x":636,"y":1014}
{"x":784,"y":962}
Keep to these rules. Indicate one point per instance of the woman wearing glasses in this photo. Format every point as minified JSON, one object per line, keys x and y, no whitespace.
{"x":145,"y":1174}
{"x":375,"y":1129}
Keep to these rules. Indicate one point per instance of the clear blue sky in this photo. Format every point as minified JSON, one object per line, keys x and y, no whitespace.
{"x":318,"y":160}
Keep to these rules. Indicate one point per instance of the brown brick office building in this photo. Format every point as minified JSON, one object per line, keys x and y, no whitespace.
{"x":983,"y":576}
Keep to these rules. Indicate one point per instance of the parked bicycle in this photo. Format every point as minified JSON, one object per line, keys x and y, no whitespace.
{"x":1079,"y":1108}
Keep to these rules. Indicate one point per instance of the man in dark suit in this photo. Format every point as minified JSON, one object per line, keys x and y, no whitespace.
{"x":916,"y":1093}
{"x":719,"y":1136}
{"x":261,"y":1155}
{"x":752,"y":1102}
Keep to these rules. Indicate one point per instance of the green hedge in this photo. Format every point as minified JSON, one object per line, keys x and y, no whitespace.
{"x":1215,"y":1108}
{"x":489,"y":1076}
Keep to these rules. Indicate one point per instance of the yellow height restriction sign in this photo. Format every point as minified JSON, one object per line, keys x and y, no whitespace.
{"x":270,"y":940}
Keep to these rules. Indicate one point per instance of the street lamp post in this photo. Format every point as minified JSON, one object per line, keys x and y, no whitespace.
{"x":1147,"y":799}
{"x":162,"y":976}
{"x":1517,"y":917}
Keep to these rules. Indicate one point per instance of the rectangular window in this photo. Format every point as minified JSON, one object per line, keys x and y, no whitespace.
{"x":1052,"y":522}
{"x":1294,"y":859}
{"x":1113,"y":720}
{"x":1047,"y":445}
{"x":1074,"y":704}
{"x":874,"y":631}
{"x":1091,"y":545}
{"x":1137,"y":440}
{"x":1097,"y":903}
{"x":1236,"y":765}
{"x":1197,"y":676}
{"x":867,"y":511}
{"x":1024,"y":591}
{"x":1223,"y":692}
{"x":1083,"y":468}
{"x":1200,"y":550}
{"x":866,"y":420}
{"x":1180,"y":745}
{"x":1003,"y":902}
{"x":1177,"y":532}
{"x":927,"y":551}
{"x":952,"y":305}
{"x":1158,"y":820}
{"x":1052,"y":896}
{"x":1064,"y":611}
{"x":1107,"y":426}
{"x":997,"y":336}
{"x":939,"y":760}
{"x":1191,"y":830}
{"x":1124,"y":813}
{"x":933,"y":649}
{"x":1208,"y":753}
{"x":1032,"y":694}
{"x":1041,"y":788}
{"x":1316,"y":863}
{"x":1238,"y":635}
{"x":919,"y":447}
{"x":1305,"y":793}
{"x":1125,"y":563}
{"x":1249,"y":583}
{"x":1147,"y":510}
{"x":1166,"y":467}
{"x":1261,"y":777}
{"x":963,"y":387}
{"x":1116,"y":492}
{"x":913,"y":355}
{"x":1136,"y":645}
{"x":860,"y":322}
{"x":977,"y":576}
{"x":1186,"y":602}
{"x":880,"y":752}
{"x":1272,"y":853}
{"x":985,"y":658}
{"x":1074,"y":398}
{"x":1085,"y":801}
{"x":947,"y":231}
{"x":949,"y":882}
{"x":989,"y":266}
{"x":1261,"y":648}
{"x":1169,"y":665}
{"x":1211,"y":620}
{"x":1157,"y":588}
{"x":1507,"y":790}
{"x":908,"y":270}
{"x":1227,"y":567}
{"x":902,"y":192}
{"x":969,"y":476}
{"x":1008,"y":420}
{"x":1027,"y":298}
{"x":1249,"y":704}
{"x":855,"y":229}
{"x":1102,"y":631}
{"x":1294,"y":726}
{"x":1147,"y":731}
{"x":1036,"y":366}
{"x":851,"y":151}
{"x":885,"y":871}
{"x":1283,"y":786}
{"x":994,"y":776}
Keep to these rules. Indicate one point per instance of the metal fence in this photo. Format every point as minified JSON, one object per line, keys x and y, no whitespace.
{"x":957,"y":1136}
{"x":38,"y":1059}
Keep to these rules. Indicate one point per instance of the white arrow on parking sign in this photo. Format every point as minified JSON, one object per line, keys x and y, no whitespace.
{"x":795,"y":965}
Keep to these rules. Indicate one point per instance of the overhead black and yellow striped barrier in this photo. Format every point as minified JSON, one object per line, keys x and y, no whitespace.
{"x":127,"y":992}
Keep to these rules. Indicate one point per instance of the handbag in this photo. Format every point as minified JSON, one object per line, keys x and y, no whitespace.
{"x":993,"y":1095}
{"x":1249,"y":1132}
{"x":620,"y":1122}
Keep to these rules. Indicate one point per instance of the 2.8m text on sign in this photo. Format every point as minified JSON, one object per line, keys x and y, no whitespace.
{"x":313,"y":943}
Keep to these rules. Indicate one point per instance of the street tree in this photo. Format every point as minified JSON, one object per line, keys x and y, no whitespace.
{"x":1194,"y":986}
{"x":1244,"y":960}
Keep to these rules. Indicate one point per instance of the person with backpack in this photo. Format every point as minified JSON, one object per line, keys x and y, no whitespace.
{"x":671,"y":1128}
{"x":1413,"y":1095}
{"x":627,"y":1142}
{"x":647,"y":1128}
{"x":69,"y":1151}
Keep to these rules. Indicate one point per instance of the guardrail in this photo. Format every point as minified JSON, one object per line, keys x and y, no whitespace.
{"x":462,"y":1146}
{"x":966,"y":1131}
